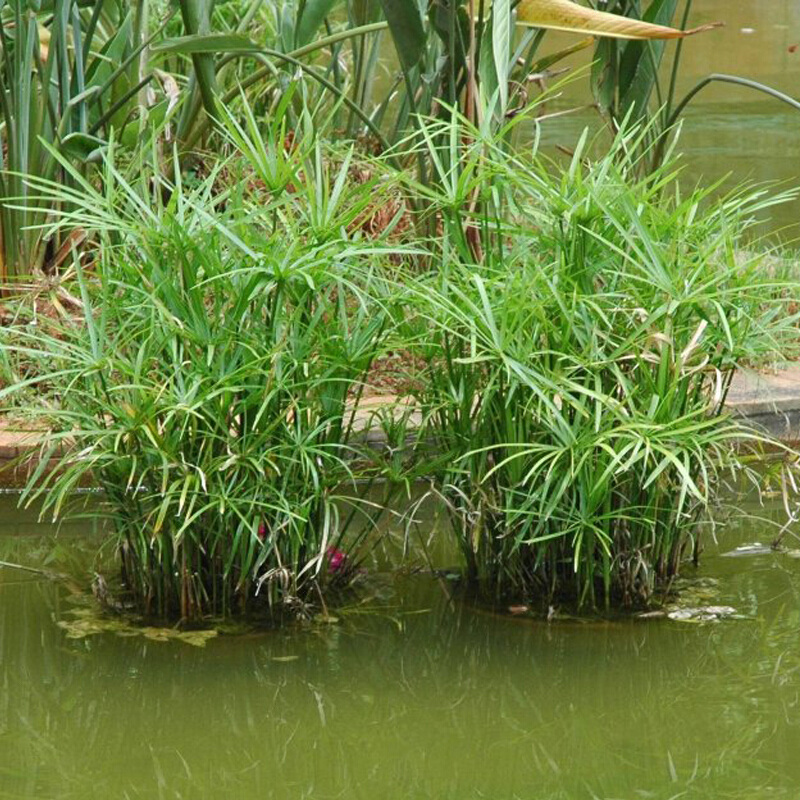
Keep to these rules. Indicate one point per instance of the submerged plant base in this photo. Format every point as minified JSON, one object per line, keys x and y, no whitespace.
{"x":626,"y":565}
{"x":689,"y":600}
{"x":110,"y":613}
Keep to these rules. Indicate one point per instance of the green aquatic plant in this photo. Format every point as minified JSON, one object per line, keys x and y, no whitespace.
{"x":211,"y":380}
{"x":627,"y":77}
{"x":468,"y":56}
{"x":583,"y":331}
{"x":579,"y":334}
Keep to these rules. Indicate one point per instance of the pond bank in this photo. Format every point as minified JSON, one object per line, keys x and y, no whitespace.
{"x":771,"y":399}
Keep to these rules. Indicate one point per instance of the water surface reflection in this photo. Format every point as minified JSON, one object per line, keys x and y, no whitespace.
{"x":424,"y":699}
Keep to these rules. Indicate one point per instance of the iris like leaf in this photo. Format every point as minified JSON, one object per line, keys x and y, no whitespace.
{"x":313,"y":15}
{"x":407,"y":30}
{"x":565,"y":15}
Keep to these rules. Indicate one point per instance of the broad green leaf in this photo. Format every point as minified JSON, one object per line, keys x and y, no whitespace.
{"x":313,"y":15}
{"x":408,"y":33}
{"x":565,"y":15}
{"x":638,"y":68}
{"x":110,"y":55}
{"x":83,"y":146}
{"x":364,"y":11}
{"x":451,"y":23}
{"x":486,"y":69}
{"x":605,"y":67}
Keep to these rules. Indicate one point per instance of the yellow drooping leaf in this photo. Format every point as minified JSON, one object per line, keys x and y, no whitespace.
{"x":44,"y":40}
{"x":44,"y":43}
{"x":565,"y":15}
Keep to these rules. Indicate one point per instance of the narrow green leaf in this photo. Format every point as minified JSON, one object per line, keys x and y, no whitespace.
{"x":206,"y":43}
{"x":501,"y":47}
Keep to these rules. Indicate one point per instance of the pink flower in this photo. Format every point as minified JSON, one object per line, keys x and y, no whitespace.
{"x":337,"y":560}
{"x":262,"y":531}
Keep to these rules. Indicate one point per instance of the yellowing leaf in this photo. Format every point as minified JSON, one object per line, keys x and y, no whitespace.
{"x":565,"y":15}
{"x":44,"y":43}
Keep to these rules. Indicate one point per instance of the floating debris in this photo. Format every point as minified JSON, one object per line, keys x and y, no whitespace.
{"x":758,"y":549}
{"x":703,"y":614}
{"x":754,"y":549}
{"x":659,"y":614}
{"x":694,"y":600}
{"x":90,"y":622}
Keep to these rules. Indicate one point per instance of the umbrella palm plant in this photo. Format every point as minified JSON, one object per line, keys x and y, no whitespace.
{"x":576,"y":374}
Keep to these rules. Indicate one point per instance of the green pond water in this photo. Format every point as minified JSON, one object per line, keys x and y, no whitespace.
{"x":420,"y":695}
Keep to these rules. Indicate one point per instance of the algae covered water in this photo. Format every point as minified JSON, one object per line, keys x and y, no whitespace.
{"x":412,"y":694}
